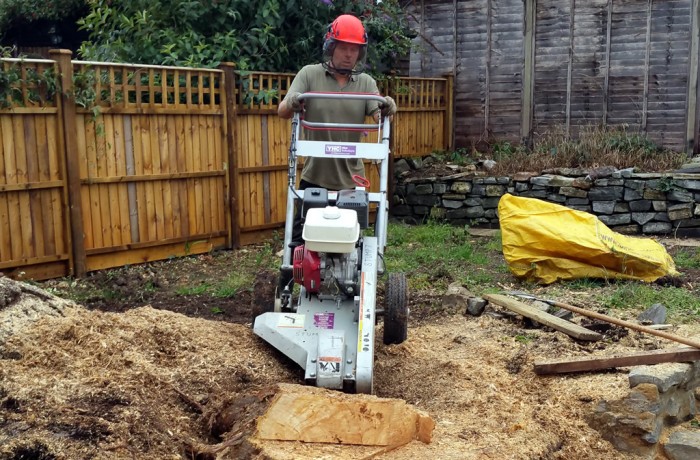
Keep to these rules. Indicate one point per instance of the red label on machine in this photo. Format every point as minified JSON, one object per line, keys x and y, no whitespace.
{"x":324,"y":320}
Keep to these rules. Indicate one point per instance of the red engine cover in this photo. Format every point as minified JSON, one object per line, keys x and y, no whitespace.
{"x":307,"y":269}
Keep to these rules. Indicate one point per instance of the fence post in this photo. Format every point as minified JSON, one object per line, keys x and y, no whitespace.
{"x":527,"y":107}
{"x":71,"y":158}
{"x":693,"y":113}
{"x":449,"y":129}
{"x":229,"y":93}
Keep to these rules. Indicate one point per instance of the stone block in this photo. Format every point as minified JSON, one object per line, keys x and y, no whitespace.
{"x":556,"y":198}
{"x":683,"y":196}
{"x":642,"y":217}
{"x":521,"y":187}
{"x":616,"y":219}
{"x":424,"y":189}
{"x":631,"y":194}
{"x":542,"y":181}
{"x":640,"y":205}
{"x":578,"y":202}
{"x":603,"y":207}
{"x":490,"y":203}
{"x":683,"y":445}
{"x":461,"y":187}
{"x":605,"y":194}
{"x":401,"y":166}
{"x":495,"y":190}
{"x":653,"y":194}
{"x":439,"y":188}
{"x":664,"y":376}
{"x":687,"y":184}
{"x":621,"y":207}
{"x":534,"y":194}
{"x":573,"y":192}
{"x":452,"y":204}
{"x":680,"y":211}
{"x":659,"y":206}
{"x":655,"y":228}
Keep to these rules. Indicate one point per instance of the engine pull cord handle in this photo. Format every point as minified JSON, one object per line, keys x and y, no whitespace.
{"x":360,"y":181}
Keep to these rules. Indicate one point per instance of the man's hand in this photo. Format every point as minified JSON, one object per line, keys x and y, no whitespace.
{"x":293,"y":102}
{"x":388,"y":108}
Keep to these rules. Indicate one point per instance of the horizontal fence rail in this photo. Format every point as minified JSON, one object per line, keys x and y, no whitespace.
{"x":108,"y":164}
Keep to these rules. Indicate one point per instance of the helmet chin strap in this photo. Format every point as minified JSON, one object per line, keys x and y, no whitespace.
{"x":345,"y":72}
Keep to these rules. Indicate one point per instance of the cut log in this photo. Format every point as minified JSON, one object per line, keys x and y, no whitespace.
{"x":571,"y":329}
{"x":310,"y":414}
{"x":671,"y":355}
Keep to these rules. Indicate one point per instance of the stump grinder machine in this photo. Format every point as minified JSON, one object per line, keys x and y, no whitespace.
{"x":327,"y":325}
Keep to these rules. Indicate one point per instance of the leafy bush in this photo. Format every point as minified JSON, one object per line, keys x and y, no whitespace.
{"x":271,"y":35}
{"x":35,"y":10}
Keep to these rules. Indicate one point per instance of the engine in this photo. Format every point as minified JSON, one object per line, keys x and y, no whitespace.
{"x":327,"y":274}
{"x":328,"y":263}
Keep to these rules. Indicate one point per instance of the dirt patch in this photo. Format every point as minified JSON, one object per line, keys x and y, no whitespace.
{"x":152,"y":372}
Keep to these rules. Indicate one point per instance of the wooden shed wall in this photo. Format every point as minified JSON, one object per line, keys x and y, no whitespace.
{"x":524,"y":67}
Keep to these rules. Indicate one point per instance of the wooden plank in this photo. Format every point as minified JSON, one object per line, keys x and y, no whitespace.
{"x":148,"y":254}
{"x":214,"y":163}
{"x":6,"y":150}
{"x":106,"y":167}
{"x":199,"y":209}
{"x":140,"y":189}
{"x":123,"y":218}
{"x":205,"y":210}
{"x":182,"y":161}
{"x":35,"y":209}
{"x":592,"y":363}
{"x":26,"y":240}
{"x":93,"y":191}
{"x":166,"y":158}
{"x":175,"y":188}
{"x":150,"y":231}
{"x":574,"y":330}
{"x":130,"y":168}
{"x":191,"y":192}
{"x":44,"y":166}
{"x":154,"y":134}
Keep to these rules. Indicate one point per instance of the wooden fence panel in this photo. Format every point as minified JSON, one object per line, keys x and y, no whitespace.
{"x":153,"y":168}
{"x":34,"y":237}
{"x":134,"y":163}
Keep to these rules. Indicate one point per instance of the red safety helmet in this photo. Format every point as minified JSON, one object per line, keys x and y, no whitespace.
{"x":347,"y":29}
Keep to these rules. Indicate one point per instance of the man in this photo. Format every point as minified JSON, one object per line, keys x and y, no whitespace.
{"x":344,"y":54}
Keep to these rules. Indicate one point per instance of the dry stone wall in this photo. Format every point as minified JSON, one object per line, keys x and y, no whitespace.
{"x":627,"y":202}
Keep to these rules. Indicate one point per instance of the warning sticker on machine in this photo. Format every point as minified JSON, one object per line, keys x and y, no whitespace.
{"x":324,"y":320}
{"x":292,"y":320}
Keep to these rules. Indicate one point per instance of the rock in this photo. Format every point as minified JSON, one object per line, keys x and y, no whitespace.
{"x":656,"y":314}
{"x":400,"y":167}
{"x":456,"y":297}
{"x":631,"y":424}
{"x":475,"y":306}
{"x":663,"y":376}
{"x":683,"y":445}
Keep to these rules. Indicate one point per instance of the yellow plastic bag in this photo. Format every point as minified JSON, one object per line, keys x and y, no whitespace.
{"x":544,"y":242}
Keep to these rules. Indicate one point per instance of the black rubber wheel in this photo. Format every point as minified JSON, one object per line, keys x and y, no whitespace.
{"x":396,"y":309}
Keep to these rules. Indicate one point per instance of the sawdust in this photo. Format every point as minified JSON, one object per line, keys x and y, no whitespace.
{"x":152,"y":384}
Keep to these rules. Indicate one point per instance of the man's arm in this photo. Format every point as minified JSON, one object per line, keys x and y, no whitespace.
{"x":284,"y":111}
